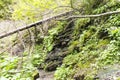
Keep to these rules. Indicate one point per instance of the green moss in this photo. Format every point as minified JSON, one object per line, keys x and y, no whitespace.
{"x":5,"y":9}
{"x":64,"y":73}
{"x":118,"y":78}
{"x":102,"y":43}
{"x":80,"y":25}
{"x":41,"y":50}
{"x":95,"y":43}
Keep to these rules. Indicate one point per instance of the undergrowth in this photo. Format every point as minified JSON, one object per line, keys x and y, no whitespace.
{"x":95,"y":43}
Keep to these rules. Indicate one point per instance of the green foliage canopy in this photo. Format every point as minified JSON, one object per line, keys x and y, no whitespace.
{"x":5,"y":8}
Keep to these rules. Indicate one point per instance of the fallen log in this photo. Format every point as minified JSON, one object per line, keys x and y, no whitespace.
{"x":54,"y":17}
{"x":33,"y":24}
{"x":93,"y":16}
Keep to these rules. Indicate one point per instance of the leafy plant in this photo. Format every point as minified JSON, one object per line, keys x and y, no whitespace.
{"x":32,"y":10}
{"x":14,"y":68}
{"x":64,"y":73}
{"x":5,"y":8}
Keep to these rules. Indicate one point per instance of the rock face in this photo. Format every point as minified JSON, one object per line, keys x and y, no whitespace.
{"x":45,"y":75}
{"x":59,"y":51}
{"x":109,"y":73}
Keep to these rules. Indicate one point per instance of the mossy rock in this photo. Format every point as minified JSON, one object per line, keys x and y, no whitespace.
{"x":51,"y":66}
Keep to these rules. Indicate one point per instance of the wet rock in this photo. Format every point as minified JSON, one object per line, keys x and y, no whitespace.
{"x":111,"y":72}
{"x":53,"y":60}
{"x":43,"y":75}
{"x":80,"y":75}
{"x":51,"y":66}
{"x":55,"y":57}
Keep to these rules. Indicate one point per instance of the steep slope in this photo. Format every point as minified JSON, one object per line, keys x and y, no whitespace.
{"x":79,"y":49}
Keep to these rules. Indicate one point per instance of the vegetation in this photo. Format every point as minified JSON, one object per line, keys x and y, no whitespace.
{"x":5,"y":10}
{"x":76,"y":49}
{"x":35,"y":10}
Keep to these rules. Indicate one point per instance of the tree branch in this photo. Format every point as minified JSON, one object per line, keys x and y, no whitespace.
{"x":93,"y":16}
{"x":34,"y":24}
{"x":57,"y":16}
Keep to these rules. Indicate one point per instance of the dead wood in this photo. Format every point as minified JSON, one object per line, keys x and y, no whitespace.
{"x":33,"y":24}
{"x":54,"y":17}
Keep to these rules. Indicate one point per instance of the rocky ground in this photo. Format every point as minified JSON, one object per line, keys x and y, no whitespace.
{"x":46,"y":75}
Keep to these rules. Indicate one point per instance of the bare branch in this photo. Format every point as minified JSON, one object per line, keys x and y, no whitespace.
{"x":93,"y":16}
{"x":57,"y":16}
{"x":34,"y":24}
